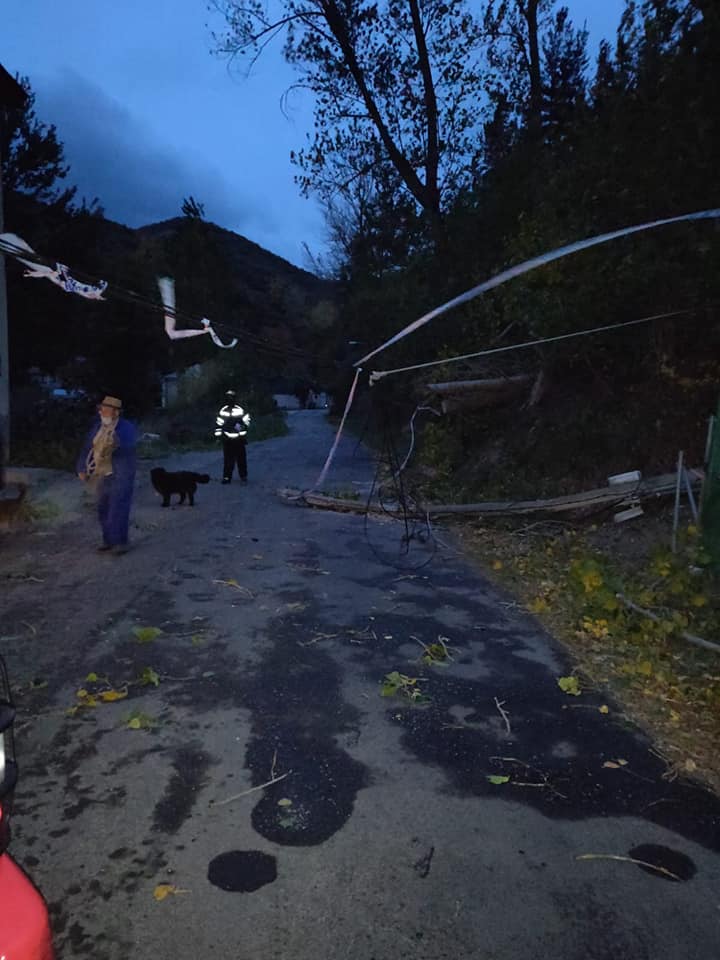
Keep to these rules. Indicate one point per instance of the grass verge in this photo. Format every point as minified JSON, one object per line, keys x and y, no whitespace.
{"x":576,"y":580}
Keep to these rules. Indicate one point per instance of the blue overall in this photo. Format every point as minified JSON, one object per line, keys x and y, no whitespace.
{"x":114,"y":492}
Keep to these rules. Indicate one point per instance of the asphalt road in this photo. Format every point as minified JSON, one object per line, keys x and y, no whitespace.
{"x":384,"y":839}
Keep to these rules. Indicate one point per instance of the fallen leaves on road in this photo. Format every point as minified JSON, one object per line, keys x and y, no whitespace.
{"x":140,"y":721}
{"x":110,"y":696}
{"x":149,"y":677}
{"x":398,"y":683}
{"x":164,"y":890}
{"x":569,"y":685}
{"x":146,"y":634}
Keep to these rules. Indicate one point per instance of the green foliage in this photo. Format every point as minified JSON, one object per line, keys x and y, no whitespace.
{"x":497,"y":779}
{"x":398,"y":684}
{"x":569,"y":685}
{"x":146,"y":634}
{"x":149,"y":677}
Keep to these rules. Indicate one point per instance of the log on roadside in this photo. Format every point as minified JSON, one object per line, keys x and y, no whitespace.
{"x":475,"y":394}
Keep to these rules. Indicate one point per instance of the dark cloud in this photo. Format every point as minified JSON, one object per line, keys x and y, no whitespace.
{"x":137,"y":177}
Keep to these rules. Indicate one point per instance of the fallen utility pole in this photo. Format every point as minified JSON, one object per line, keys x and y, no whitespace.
{"x":579,"y":504}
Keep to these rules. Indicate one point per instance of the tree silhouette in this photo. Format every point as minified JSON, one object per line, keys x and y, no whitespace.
{"x":192,"y":209}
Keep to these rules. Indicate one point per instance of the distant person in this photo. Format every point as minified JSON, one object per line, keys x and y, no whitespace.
{"x":231,"y":425}
{"x":107,"y":465}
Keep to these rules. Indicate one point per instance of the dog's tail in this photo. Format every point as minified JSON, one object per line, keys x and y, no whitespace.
{"x":201,"y":477}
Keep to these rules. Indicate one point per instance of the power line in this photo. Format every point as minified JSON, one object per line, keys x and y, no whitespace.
{"x":377,"y":375}
{"x":527,"y":266}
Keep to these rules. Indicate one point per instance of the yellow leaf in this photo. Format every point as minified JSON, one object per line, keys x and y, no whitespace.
{"x":497,"y":565}
{"x":85,"y":699}
{"x":604,"y":708}
{"x":134,"y":723}
{"x":110,"y":696}
{"x":698,"y":600}
{"x":569,"y":685}
{"x":690,"y":766}
{"x":611,"y":765}
{"x":163,"y":890}
{"x":645,"y":668}
{"x":674,"y":716}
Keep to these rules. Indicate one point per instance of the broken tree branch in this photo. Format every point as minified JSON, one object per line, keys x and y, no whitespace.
{"x":245,"y":793}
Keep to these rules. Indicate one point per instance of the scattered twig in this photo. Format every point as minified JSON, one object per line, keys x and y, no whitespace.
{"x":233,"y":583}
{"x":656,"y":802}
{"x":544,"y":779}
{"x":272,"y":766}
{"x":639,"y":863}
{"x":318,"y":636}
{"x":499,"y":704}
{"x":245,"y":793}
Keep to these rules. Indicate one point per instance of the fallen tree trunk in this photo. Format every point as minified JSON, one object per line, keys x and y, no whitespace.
{"x":474,"y":394}
{"x":579,"y":504}
{"x":496,"y":385}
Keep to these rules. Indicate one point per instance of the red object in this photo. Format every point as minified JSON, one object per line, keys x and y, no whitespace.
{"x":24,"y":924}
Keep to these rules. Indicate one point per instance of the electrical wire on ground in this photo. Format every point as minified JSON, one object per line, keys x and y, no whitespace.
{"x":397,"y":503}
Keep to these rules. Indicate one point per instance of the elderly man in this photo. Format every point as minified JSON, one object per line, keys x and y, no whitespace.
{"x":231,"y":425}
{"x":107,"y":464}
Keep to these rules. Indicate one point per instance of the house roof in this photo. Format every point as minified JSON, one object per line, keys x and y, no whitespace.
{"x":11,"y":93}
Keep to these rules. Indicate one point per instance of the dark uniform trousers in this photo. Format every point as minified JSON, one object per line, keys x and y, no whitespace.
{"x":234,"y":453}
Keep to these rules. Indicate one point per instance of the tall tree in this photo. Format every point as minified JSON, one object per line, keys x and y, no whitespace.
{"x":538,"y":62}
{"x":33,"y":157}
{"x":396,"y":82}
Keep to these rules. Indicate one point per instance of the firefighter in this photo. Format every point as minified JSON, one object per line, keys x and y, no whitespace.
{"x":232,"y":425}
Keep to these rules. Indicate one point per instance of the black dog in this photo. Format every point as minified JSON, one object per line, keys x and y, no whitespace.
{"x":184,"y":483}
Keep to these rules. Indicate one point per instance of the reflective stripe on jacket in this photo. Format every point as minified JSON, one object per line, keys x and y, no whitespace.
{"x":231,"y":422}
